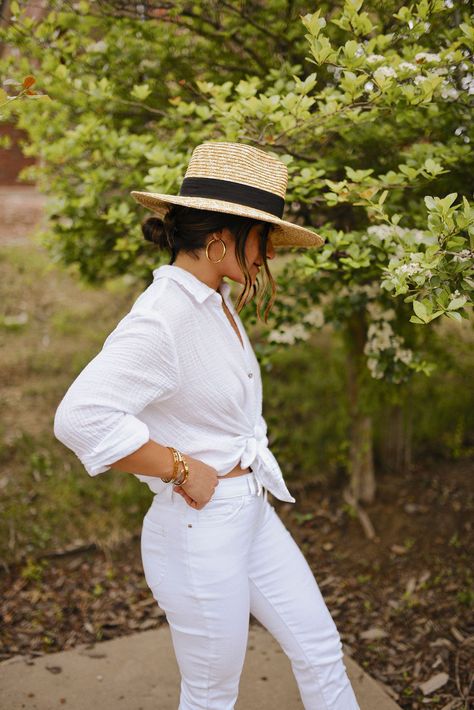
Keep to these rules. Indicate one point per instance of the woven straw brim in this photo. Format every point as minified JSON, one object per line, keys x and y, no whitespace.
{"x":284,"y":234}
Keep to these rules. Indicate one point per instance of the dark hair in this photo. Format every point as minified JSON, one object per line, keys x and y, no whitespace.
{"x":186,"y":228}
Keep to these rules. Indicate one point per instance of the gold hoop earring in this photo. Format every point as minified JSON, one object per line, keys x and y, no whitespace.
{"x":209,"y":244}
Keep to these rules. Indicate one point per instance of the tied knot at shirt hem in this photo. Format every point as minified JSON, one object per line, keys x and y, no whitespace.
{"x":258,"y":456}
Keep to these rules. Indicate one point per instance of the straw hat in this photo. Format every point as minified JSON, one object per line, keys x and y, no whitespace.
{"x":237,"y":179}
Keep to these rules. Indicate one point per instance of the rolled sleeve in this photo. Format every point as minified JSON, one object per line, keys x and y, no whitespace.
{"x":97,"y":417}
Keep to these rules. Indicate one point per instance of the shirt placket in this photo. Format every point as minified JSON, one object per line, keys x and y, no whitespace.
{"x":248,"y":367}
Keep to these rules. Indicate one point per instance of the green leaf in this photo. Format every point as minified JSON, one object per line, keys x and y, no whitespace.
{"x":457,"y":302}
{"x":141,"y":91}
{"x":420,"y":310}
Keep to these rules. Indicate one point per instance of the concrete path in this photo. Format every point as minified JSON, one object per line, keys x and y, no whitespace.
{"x":139,"y":672}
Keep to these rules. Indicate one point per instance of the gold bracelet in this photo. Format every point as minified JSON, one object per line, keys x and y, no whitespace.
{"x":173,"y":475}
{"x":177,"y":461}
{"x":186,"y":474}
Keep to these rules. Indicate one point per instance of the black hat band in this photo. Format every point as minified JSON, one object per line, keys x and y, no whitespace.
{"x":229,"y":191}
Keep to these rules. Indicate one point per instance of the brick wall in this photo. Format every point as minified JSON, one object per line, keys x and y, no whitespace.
{"x":12,"y":160}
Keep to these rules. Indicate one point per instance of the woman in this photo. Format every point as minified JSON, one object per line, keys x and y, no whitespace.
{"x":175,"y":397}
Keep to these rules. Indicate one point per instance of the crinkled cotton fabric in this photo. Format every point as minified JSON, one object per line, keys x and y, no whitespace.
{"x":173,"y":370}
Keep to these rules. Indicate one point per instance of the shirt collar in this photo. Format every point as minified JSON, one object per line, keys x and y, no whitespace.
{"x":190,"y":282}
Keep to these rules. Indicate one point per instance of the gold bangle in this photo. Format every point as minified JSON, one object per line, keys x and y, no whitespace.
{"x":177,"y":461}
{"x":173,"y":475}
{"x":186,"y":474}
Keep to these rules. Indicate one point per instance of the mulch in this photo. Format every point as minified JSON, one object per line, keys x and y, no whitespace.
{"x":402,"y":601}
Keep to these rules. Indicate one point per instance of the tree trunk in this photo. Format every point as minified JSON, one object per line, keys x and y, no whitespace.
{"x":396,"y":441}
{"x":361,"y":463}
{"x":361,"y":459}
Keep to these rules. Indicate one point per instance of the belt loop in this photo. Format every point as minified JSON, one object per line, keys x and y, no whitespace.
{"x":257,"y":485}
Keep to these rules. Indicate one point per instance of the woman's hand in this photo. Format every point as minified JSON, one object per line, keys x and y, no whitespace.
{"x":200,"y":485}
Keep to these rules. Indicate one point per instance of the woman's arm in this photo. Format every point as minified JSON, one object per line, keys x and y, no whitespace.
{"x":152,"y":459}
{"x":98,"y":416}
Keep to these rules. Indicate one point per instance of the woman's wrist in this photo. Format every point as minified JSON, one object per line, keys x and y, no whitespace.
{"x":151,"y":459}
{"x":180,"y":472}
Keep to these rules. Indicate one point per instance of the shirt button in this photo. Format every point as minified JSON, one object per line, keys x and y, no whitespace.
{"x":250,"y":374}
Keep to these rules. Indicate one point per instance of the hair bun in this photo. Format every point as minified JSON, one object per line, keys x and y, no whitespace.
{"x":155,"y":230}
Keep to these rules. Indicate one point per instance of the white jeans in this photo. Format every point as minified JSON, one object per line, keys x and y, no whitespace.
{"x":209,"y":568}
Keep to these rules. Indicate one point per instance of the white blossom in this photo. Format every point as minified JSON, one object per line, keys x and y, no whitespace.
{"x":467,"y":83}
{"x":315,"y":317}
{"x":289,"y":334}
{"x":427,"y":57}
{"x":403,"y":354}
{"x":407,"y":66}
{"x":379,"y":336}
{"x":384,"y":72}
{"x":409,"y":269}
{"x":383,"y":231}
{"x":449,"y":92}
{"x":375,"y":310}
{"x":419,"y":79}
{"x":463,"y":255}
{"x":373,"y":58}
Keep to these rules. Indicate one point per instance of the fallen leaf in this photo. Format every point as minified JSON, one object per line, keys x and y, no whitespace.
{"x":434,"y":683}
{"x":373,"y":634}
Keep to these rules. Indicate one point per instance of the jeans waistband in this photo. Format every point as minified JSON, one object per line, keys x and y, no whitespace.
{"x":237,"y":486}
{"x":246,"y":483}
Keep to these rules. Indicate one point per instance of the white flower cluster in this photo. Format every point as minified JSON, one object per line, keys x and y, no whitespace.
{"x":289,"y":334}
{"x":427,"y":57}
{"x":315,"y":317}
{"x":407,"y":66}
{"x":409,"y":269}
{"x":374,"y":58}
{"x":377,"y":311}
{"x":380,"y":337}
{"x":464,"y":255}
{"x":467,"y":83}
{"x":420,"y":79}
{"x":384,"y":73}
{"x":448,"y":91}
{"x":385,"y":231}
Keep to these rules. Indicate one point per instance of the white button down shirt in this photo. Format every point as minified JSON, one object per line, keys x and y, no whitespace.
{"x":173,"y":370}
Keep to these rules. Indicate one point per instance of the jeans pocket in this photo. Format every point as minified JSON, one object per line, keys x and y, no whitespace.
{"x":220,"y":511}
{"x":154,"y":552}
